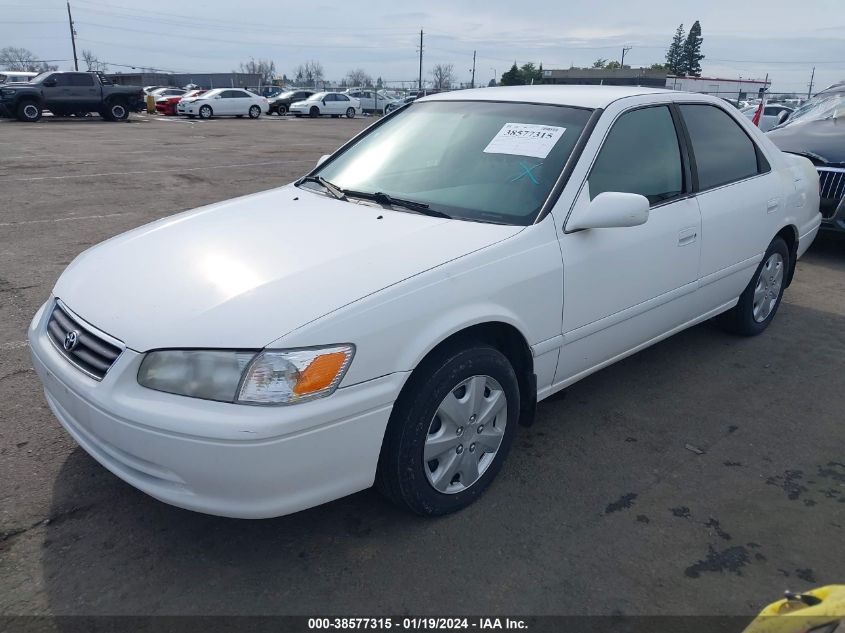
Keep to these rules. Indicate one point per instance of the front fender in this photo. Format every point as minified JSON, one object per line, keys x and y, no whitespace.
{"x":518,"y":281}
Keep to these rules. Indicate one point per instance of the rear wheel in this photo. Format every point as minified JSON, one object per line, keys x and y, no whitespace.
{"x":254,"y":112}
{"x":314,"y":112}
{"x":206,"y":112}
{"x":350,"y":113}
{"x":29,"y":111}
{"x":282,"y":110}
{"x":761,"y":298}
{"x":450,"y":430}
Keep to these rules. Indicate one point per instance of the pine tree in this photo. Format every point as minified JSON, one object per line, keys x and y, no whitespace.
{"x":691,"y":57}
{"x":513,"y":77}
{"x":673,"y":55}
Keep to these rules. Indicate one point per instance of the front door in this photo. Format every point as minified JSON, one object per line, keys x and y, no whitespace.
{"x":625,"y":286}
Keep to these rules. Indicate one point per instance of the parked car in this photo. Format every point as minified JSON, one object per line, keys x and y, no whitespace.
{"x":773,"y":114}
{"x":15,"y":76}
{"x":399,"y":103}
{"x":335,"y":104}
{"x":150,"y":89}
{"x":65,"y":93}
{"x":393,"y":315}
{"x":224,"y":102}
{"x":168,"y":92}
{"x":372,"y":100}
{"x":281,"y":103}
{"x":816,"y":130}
{"x":166,"y":105}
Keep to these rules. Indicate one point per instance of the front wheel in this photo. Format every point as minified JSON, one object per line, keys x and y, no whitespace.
{"x":117,"y":111}
{"x":254,"y":112}
{"x":350,"y":113}
{"x":206,"y":112}
{"x":314,"y":112}
{"x":29,"y":111}
{"x":761,"y":298}
{"x":282,"y":110}
{"x":450,"y":431}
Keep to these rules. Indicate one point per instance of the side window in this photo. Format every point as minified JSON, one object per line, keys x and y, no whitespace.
{"x":723,"y":151}
{"x":81,"y":80}
{"x":62,"y":79}
{"x":331,"y":97}
{"x":640,"y":155}
{"x":229,"y":94}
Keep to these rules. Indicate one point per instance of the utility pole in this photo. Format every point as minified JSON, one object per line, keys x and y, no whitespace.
{"x":812,"y":77}
{"x":72,"y":37}
{"x":473,"y":70}
{"x":625,"y":49}
{"x":421,"y":55}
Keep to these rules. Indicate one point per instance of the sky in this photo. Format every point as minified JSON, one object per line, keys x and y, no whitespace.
{"x":742,"y":38}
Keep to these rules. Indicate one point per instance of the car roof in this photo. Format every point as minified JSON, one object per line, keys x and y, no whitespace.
{"x":577,"y":96}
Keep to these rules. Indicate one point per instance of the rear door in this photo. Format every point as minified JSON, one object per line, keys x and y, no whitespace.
{"x":85,"y":91}
{"x":740,"y":197}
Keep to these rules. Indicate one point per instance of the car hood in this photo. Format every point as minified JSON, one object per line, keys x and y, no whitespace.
{"x":822,"y":141}
{"x":244,"y":272}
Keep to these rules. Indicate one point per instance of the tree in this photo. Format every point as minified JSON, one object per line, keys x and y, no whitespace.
{"x":615,"y":65}
{"x":91,"y":61}
{"x":513,"y":77}
{"x":309,"y":73}
{"x":657,"y":66}
{"x":601,"y":62}
{"x":530,"y":74}
{"x":443,"y":75}
{"x":691,"y":56}
{"x":492,"y":83}
{"x":264,"y":67}
{"x":675,"y":53}
{"x":23,"y":60}
{"x":379,"y":83}
{"x":358,"y":78}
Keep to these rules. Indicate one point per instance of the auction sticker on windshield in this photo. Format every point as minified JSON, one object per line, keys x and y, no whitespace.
{"x":525,"y":139}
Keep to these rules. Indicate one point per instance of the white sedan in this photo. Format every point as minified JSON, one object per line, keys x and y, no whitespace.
{"x":335,"y":104}
{"x":394,"y":315}
{"x":224,"y":102}
{"x":773,"y":115}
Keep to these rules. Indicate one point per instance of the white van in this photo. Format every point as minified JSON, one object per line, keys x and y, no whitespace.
{"x":14,"y":76}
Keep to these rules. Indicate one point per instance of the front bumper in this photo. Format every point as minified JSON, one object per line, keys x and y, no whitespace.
{"x":218,"y":458}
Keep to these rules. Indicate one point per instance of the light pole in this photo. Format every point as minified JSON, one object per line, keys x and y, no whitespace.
{"x":495,"y":76}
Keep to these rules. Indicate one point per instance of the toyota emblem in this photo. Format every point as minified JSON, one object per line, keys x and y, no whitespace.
{"x":71,"y":340}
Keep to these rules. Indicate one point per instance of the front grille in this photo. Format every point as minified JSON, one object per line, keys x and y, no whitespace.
{"x":87,"y":351}
{"x":831,"y":189}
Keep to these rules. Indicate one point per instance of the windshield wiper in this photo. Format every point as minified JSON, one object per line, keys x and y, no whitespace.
{"x":334,"y":190}
{"x":411,"y":205}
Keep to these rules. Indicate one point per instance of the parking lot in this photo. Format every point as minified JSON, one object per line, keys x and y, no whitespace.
{"x":704,"y":475}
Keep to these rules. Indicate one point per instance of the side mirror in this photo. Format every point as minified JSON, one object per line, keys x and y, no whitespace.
{"x":611,"y":209}
{"x":323,"y":159}
{"x":783,"y":116}
{"x":324,"y":102}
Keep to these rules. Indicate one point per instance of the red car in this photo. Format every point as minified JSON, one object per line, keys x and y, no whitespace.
{"x":167,"y":105}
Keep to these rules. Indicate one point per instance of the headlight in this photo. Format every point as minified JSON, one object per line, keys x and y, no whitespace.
{"x":271,"y":377}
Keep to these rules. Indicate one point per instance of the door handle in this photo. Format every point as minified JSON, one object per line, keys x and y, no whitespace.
{"x":772,"y":205}
{"x":687,"y":236}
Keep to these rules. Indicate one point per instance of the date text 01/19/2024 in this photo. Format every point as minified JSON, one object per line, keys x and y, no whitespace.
{"x":416,"y":624}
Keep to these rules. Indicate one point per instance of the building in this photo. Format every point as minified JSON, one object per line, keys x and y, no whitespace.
{"x":606,"y":77}
{"x":203,"y":80}
{"x":739,"y":88}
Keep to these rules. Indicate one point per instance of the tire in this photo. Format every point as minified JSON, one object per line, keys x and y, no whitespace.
{"x":192,"y":116}
{"x":761,"y":298}
{"x":314,"y":112}
{"x":350,"y":113}
{"x":29,"y":111}
{"x":282,"y":110}
{"x":117,"y":111}
{"x":254,"y":112}
{"x":447,"y":382}
{"x":206,"y":112}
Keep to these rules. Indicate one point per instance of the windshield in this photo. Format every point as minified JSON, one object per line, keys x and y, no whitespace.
{"x":39,"y":78}
{"x":474,"y":160}
{"x":823,"y":106}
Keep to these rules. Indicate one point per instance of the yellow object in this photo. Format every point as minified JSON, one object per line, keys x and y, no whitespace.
{"x":151,"y":104}
{"x":802,"y":612}
{"x":320,"y":373}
